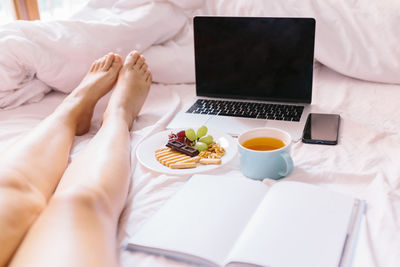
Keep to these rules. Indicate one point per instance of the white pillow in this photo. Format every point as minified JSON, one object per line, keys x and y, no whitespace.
{"x":173,"y":61}
{"x":356,"y":38}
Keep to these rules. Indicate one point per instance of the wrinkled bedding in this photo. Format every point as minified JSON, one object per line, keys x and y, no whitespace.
{"x":357,"y":79}
{"x":358,"y":39}
{"x":42,"y":56}
{"x":364,"y":164}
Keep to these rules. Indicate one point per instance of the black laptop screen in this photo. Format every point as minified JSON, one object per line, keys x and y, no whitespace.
{"x":254,"y":58}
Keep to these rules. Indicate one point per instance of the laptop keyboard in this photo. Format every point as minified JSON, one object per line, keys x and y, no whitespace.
{"x":247,"y":109}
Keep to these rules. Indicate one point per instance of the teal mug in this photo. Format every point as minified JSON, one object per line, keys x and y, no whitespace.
{"x":258,"y":161}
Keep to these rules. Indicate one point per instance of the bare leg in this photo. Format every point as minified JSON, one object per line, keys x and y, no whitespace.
{"x":79,"y":225}
{"x":31,"y":168}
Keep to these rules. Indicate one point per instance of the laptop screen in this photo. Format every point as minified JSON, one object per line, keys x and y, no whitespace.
{"x":254,"y":58}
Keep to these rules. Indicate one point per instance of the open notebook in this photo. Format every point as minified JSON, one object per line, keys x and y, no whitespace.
{"x":235,"y":221}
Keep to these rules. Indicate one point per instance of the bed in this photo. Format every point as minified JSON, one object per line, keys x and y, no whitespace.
{"x":357,"y":74}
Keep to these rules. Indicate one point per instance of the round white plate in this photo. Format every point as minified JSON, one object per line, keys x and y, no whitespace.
{"x":145,"y":152}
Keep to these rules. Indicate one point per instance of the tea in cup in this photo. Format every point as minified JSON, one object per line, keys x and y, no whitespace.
{"x":265,"y":153}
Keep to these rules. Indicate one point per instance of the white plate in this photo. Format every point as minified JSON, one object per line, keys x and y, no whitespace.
{"x":145,"y":152}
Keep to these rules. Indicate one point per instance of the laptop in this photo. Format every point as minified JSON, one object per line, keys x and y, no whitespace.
{"x":251,"y":72}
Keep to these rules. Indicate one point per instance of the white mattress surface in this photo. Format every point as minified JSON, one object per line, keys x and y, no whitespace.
{"x":365,"y":163}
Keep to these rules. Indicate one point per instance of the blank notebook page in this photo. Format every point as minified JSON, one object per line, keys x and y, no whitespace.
{"x":296,"y":225}
{"x":204,"y":218}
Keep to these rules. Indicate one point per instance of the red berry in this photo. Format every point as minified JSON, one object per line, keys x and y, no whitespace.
{"x":181,"y":134}
{"x":172,"y":137}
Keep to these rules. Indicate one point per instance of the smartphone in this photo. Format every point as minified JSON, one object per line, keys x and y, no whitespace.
{"x":321,"y":129}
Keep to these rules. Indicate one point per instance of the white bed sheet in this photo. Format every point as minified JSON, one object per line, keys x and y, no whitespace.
{"x":364,"y":164}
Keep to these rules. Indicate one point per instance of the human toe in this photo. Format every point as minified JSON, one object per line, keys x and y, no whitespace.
{"x":107,"y":62}
{"x":144,"y":68}
{"x":148,"y":76}
{"x":116,"y":63}
{"x":118,"y":58}
{"x":96,"y":65}
{"x":139,"y":63}
{"x":131,"y":59}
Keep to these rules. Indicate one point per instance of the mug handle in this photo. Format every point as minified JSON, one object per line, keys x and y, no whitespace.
{"x":289,"y":163}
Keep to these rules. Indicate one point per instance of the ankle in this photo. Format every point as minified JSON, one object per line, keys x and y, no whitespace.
{"x":119,"y":115}
{"x":65,"y":115}
{"x":76,"y":112}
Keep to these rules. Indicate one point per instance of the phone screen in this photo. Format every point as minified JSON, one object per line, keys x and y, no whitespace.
{"x":321,"y":129}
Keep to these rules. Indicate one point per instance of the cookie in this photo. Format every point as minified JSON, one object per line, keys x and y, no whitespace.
{"x":174,"y":159}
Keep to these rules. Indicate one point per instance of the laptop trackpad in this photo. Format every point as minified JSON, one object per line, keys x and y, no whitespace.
{"x":234,"y":125}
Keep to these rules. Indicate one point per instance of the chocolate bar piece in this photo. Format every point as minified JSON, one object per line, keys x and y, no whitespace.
{"x":183,"y":148}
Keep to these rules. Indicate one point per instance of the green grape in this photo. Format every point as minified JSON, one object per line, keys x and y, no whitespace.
{"x":202,"y":131}
{"x":200,"y":146}
{"x":190,"y":134}
{"x":207,"y":139}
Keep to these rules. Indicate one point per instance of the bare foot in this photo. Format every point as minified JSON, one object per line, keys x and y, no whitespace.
{"x":131,"y":89}
{"x":98,"y":81}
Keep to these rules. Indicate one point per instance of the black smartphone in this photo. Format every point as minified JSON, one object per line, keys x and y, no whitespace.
{"x":321,"y":129}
